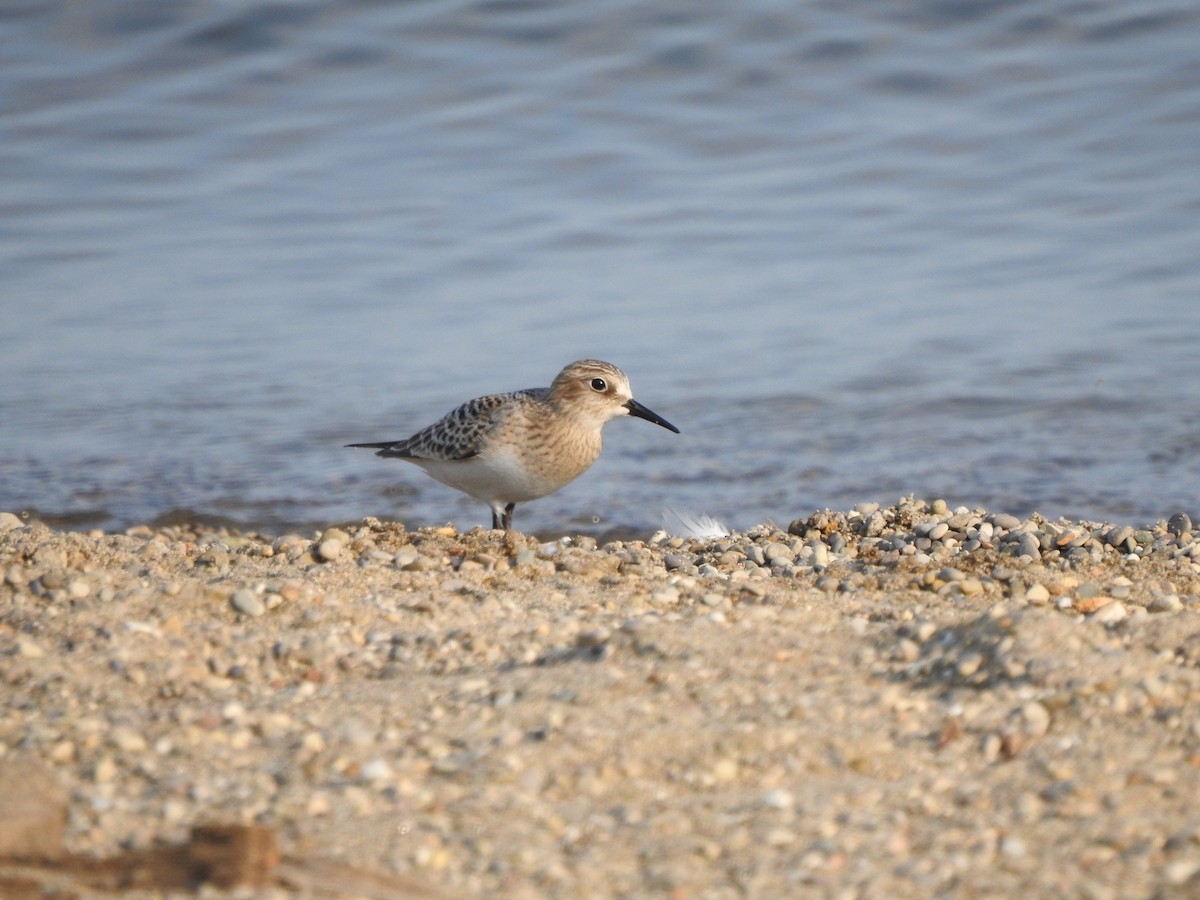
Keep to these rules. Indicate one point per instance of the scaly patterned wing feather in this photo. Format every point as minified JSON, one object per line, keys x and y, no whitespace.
{"x":458,"y":434}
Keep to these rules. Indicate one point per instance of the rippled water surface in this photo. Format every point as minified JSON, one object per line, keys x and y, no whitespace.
{"x":853,"y":251}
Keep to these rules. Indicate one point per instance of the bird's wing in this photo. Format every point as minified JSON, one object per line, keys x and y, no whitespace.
{"x":457,"y":435}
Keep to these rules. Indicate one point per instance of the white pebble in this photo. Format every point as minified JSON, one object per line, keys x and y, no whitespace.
{"x":248,"y":602}
{"x":330,"y":549}
{"x":779,"y":798}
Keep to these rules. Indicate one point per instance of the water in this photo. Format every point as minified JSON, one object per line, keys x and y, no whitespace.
{"x":854,"y":251}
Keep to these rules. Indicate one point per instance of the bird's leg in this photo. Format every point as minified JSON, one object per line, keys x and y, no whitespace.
{"x":506,"y":520}
{"x":496,"y":521}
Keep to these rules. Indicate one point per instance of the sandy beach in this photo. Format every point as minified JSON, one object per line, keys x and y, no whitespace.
{"x":907,"y":701}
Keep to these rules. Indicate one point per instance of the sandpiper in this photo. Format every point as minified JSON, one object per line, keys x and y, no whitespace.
{"x":505,"y":449}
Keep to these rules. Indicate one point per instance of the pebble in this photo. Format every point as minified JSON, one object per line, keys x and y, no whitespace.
{"x":820,"y":555}
{"x":405,"y":557}
{"x":127,"y":739}
{"x":377,"y":770}
{"x":674,"y":561}
{"x":29,"y":648}
{"x":1013,"y":847}
{"x":1182,"y":871}
{"x":287,"y":541}
{"x":1119,"y":536}
{"x":214,"y":558}
{"x":1027,"y":544}
{"x":248,"y":602}
{"x":778,"y":798}
{"x":1166,"y":603}
{"x":1110,"y":614}
{"x":1035,"y":719}
{"x":330,"y":549}
{"x":725,"y":770}
{"x":1037,"y":594}
{"x":775,"y":550}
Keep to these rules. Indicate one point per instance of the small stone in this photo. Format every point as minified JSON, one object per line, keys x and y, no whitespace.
{"x":1110,"y":614}
{"x":775,"y":550}
{"x":1035,"y":719}
{"x":820,"y":555}
{"x":780,"y":837}
{"x":1006,"y":522}
{"x":127,"y":739}
{"x":330,"y":549}
{"x":214,"y":558}
{"x":664,"y":596}
{"x":53,"y":580}
{"x":1028,"y":545}
{"x":778,"y":798}
{"x":29,"y":648}
{"x":593,"y":637}
{"x":284,"y":541}
{"x":8,"y":522}
{"x":1118,"y":535}
{"x":318,"y":804}
{"x":1181,"y":871}
{"x":104,"y":771}
{"x":376,"y":770}
{"x":405,"y":557}
{"x":674,"y":561}
{"x":1013,"y":847}
{"x":725,"y":770}
{"x":1166,"y":603}
{"x":334,"y":534}
{"x":907,"y":650}
{"x":1089,"y":605}
{"x":1068,"y":537}
{"x":970,"y":664}
{"x":248,"y":602}
{"x":1037,"y":594}
{"x":1179,"y":524}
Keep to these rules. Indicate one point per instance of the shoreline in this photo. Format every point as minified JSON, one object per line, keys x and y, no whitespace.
{"x":899,"y":700}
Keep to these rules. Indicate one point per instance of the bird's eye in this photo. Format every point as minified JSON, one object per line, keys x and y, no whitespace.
{"x":599,"y":384}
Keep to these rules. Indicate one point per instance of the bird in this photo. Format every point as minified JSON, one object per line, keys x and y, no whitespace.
{"x":505,"y":449}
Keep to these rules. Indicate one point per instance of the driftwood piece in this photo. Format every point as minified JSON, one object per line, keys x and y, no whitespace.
{"x":34,"y":862}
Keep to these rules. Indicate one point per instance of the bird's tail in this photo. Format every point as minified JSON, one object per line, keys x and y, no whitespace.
{"x":385,"y":448}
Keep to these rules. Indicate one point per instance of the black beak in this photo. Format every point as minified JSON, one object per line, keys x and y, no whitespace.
{"x":636,"y":409}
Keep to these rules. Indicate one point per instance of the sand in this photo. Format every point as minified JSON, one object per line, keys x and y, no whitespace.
{"x":859,"y":704}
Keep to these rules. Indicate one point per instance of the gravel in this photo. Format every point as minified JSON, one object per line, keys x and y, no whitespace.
{"x":907,"y":700}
